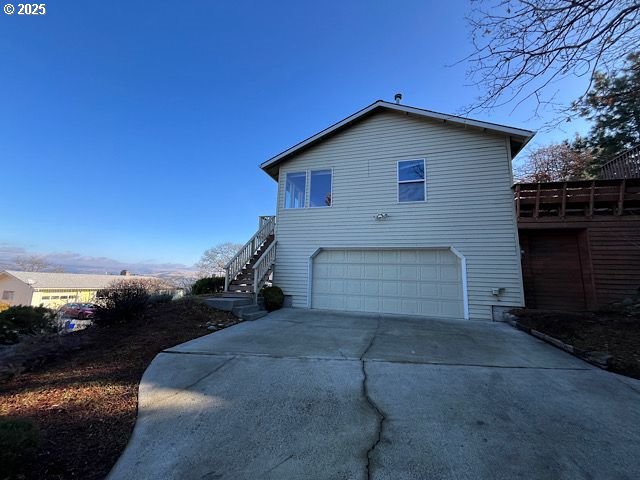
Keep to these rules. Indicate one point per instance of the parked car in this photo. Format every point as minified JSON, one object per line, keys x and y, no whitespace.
{"x":81,"y":311}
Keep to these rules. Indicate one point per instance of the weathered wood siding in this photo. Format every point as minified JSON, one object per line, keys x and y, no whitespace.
{"x":469,"y":203}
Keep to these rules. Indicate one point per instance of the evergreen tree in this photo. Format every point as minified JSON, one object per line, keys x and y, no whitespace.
{"x":613,"y":105}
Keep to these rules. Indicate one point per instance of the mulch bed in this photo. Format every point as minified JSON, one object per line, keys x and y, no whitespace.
{"x":614,"y":333}
{"x":84,"y":402}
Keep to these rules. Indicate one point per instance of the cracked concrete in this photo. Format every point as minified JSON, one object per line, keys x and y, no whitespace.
{"x":371,"y":402}
{"x":306,"y":394}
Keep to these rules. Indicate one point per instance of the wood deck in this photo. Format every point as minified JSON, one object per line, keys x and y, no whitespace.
{"x":580,"y":241}
{"x":577,"y":199}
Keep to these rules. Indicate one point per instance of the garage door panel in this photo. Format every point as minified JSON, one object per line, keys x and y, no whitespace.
{"x":450,"y":309}
{"x":447,"y":258}
{"x":355,"y":256}
{"x":429,"y":272}
{"x":408,"y":257}
{"x":428,"y":290}
{"x":354,"y":303}
{"x":390,"y":305}
{"x":409,"y":289}
{"x":449,"y":273}
{"x":372,"y":271}
{"x":370,"y":287}
{"x":336,"y":286}
{"x":451,"y":291}
{"x":430,"y":307}
{"x":409,"y":272}
{"x":354,"y":288}
{"x":372,"y":256}
{"x":321,"y":286}
{"x":390,"y":288}
{"x":336,"y":270}
{"x":413,"y":282}
{"x":390,"y":272}
{"x":389,"y":256}
{"x":371,"y":304}
{"x":410,"y":307}
{"x":321,"y":270}
{"x":354,"y":271}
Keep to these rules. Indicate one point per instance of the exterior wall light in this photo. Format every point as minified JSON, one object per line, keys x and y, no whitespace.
{"x":380,"y":216}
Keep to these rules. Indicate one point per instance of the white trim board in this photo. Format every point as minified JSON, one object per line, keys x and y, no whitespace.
{"x":519,"y":134}
{"x":455,"y":251}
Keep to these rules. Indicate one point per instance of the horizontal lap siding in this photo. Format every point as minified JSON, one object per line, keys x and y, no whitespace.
{"x":469,"y":203}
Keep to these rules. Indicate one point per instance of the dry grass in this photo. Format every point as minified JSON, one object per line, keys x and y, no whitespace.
{"x":85,"y":402}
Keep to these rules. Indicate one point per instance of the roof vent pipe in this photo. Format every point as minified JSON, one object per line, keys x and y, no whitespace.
{"x":398,"y":97}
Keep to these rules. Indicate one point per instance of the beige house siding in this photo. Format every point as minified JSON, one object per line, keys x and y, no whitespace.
{"x":469,"y":203}
{"x":22,"y":291}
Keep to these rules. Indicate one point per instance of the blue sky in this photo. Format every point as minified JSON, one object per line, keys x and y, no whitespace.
{"x":134,"y":130}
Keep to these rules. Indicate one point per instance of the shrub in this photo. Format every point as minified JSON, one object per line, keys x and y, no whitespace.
{"x":25,"y":320}
{"x":4,"y":306}
{"x":124,"y":302}
{"x":208,"y":285}
{"x":273,"y":298}
{"x":19,"y":441}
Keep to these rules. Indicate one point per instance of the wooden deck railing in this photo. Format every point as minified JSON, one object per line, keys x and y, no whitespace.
{"x":625,"y":165}
{"x":237,"y":263}
{"x":581,"y":198}
{"x":263,"y":267}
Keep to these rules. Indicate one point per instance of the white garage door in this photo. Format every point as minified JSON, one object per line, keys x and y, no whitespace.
{"x":412,"y":282}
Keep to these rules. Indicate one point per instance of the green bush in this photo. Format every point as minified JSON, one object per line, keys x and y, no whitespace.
{"x":19,"y":441}
{"x":273,"y":298}
{"x":25,"y":320}
{"x":124,"y":303}
{"x":208,"y":285}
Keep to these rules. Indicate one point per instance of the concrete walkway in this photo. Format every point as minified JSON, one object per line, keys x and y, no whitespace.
{"x":307,"y":395}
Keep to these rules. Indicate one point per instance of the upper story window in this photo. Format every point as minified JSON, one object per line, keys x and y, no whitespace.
{"x":320,"y":191}
{"x":295,"y":190}
{"x":320,"y":185}
{"x":412,"y":181}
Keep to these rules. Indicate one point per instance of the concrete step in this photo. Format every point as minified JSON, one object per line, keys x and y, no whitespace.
{"x":254,"y":315}
{"x":244,"y":309}
{"x":229,"y":303}
{"x":239,"y":295}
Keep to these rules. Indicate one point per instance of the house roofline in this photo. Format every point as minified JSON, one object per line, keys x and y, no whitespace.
{"x":520,"y":134}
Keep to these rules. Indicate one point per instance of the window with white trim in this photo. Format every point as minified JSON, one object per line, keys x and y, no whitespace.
{"x":412,"y":181}
{"x":295,"y":190}
{"x":320,"y":189}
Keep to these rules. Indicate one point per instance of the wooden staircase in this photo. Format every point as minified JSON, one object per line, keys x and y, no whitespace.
{"x":250,"y":268}
{"x":244,"y":280}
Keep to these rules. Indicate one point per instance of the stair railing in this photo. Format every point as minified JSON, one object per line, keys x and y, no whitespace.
{"x":249,"y":249}
{"x":262,"y":268}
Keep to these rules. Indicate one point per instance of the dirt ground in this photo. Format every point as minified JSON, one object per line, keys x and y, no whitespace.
{"x":615,"y":333}
{"x":85,"y":402}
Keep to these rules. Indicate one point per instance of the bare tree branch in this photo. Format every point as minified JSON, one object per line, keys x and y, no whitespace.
{"x":521,"y":47}
{"x":213,"y":260}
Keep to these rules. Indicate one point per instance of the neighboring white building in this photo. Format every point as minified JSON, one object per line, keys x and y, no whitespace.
{"x":399,"y":210}
{"x":52,"y":289}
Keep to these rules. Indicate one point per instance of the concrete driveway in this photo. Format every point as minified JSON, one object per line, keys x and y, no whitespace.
{"x":311,"y":395}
